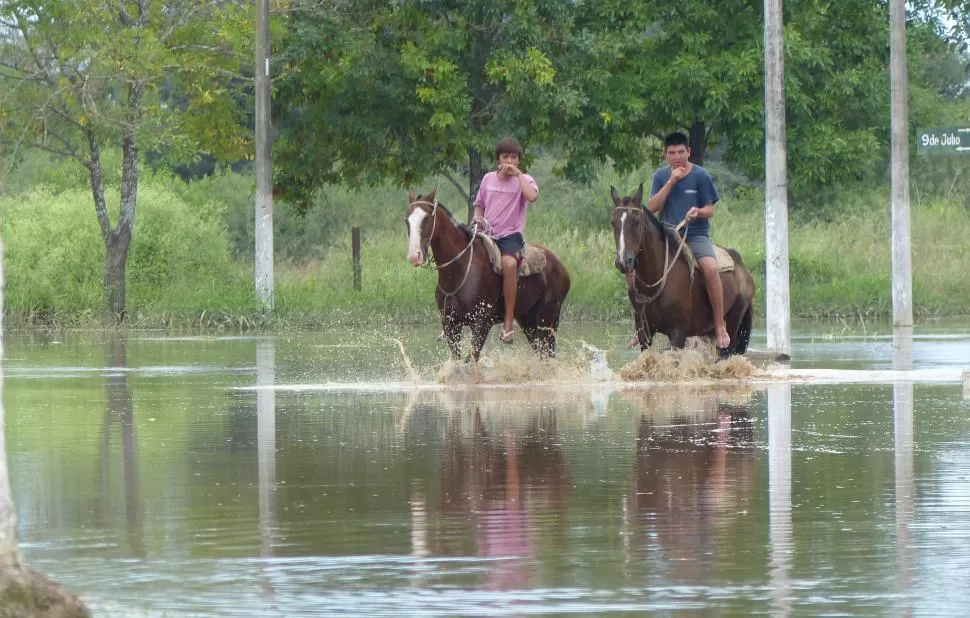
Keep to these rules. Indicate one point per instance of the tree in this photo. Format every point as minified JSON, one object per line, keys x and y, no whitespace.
{"x":80,"y":76}
{"x":374,"y":91}
{"x":696,"y":66}
{"x":403,"y":90}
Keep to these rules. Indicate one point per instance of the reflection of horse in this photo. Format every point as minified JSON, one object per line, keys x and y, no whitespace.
{"x":479,"y":466}
{"x":503,"y":482}
{"x":469,"y":293}
{"x":663,"y":294}
{"x":691,"y":480}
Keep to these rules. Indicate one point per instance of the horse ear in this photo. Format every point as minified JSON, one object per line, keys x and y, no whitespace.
{"x":617,"y":200}
{"x":430,"y":197}
{"x":638,"y":196}
{"x":412,"y":197}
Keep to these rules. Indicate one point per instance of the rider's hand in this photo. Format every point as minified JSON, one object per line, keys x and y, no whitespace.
{"x":678,"y":173}
{"x":508,"y":170}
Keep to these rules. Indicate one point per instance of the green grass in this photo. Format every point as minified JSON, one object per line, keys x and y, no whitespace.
{"x":191,"y":263}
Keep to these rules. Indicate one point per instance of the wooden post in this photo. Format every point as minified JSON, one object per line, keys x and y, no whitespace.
{"x":264,"y":165}
{"x":355,"y":243}
{"x":902,"y":269}
{"x":777,"y":295}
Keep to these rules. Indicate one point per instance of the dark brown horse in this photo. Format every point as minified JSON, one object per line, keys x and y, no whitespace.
{"x":469,"y":293}
{"x":666,"y":298}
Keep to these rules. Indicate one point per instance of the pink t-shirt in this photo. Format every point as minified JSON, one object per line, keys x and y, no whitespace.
{"x":503,"y":204}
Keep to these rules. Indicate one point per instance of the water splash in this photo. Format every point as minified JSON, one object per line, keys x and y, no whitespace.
{"x":690,"y":363}
{"x":509,"y":367}
{"x":408,"y":365}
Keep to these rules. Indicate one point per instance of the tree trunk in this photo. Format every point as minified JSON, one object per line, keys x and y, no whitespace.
{"x":117,"y":240}
{"x":698,"y":142}
{"x":476,"y":171}
{"x":116,"y":262}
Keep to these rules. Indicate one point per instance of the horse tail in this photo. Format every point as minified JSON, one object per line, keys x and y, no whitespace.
{"x":743,"y":335}
{"x":735,"y":256}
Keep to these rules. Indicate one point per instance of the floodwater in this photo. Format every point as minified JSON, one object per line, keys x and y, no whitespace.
{"x":358,"y":474}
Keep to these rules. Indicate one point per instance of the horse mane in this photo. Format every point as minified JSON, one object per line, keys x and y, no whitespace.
{"x":461,"y":226}
{"x":665,"y":232}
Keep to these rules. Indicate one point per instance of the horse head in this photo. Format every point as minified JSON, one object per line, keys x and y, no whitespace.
{"x":421,"y":209}
{"x":629,"y":222}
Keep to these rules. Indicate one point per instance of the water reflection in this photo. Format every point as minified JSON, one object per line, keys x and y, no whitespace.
{"x":120,"y":413}
{"x":903,"y":463}
{"x":694,"y":472}
{"x":266,"y":449}
{"x":481,"y":500}
{"x":10,"y":560}
{"x":502,"y":477}
{"x":779,"y":498}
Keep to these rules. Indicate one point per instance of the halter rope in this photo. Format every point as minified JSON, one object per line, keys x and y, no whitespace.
{"x":469,"y":247}
{"x":668,"y":263}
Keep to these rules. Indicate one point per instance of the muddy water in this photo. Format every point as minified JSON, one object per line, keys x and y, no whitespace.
{"x":351,"y":473}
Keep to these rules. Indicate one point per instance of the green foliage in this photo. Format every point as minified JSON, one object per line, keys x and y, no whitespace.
{"x":54,"y":258}
{"x":401,"y":92}
{"x":410,"y":91}
{"x":181,"y":270}
{"x":82,"y":70}
{"x":54,"y":262}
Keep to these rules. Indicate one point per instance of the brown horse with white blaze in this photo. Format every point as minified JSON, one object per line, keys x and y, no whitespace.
{"x":666,"y":297}
{"x":469,"y":292}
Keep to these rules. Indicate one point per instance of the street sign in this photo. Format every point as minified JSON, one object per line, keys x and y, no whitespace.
{"x":949,"y":140}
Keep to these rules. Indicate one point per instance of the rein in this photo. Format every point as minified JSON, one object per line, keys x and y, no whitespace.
{"x":668,"y":263}
{"x":469,"y":247}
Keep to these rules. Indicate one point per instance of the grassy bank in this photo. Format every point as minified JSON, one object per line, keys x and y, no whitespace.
{"x":191,"y":259}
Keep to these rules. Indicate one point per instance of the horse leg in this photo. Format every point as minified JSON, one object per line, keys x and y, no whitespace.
{"x":644,"y":335}
{"x":479,"y":336}
{"x":529,"y":326}
{"x":452,"y":333}
{"x":742,"y":334}
{"x":678,"y":338}
{"x":544,"y":325}
{"x":529,"y":323}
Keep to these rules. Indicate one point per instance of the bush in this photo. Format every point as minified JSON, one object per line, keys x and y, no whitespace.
{"x":55,"y":257}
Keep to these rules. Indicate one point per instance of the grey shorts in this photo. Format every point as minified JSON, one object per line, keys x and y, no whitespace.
{"x":701,"y":246}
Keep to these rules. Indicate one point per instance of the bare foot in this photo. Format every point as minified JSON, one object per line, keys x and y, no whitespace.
{"x":633,"y":342}
{"x":722,"y":340}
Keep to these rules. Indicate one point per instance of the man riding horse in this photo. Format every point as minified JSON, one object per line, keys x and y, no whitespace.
{"x":683,"y":193}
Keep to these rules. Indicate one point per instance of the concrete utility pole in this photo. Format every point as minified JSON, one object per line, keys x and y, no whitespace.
{"x":10,"y":559}
{"x":264,"y":164}
{"x":777,"y":298}
{"x":902,"y":275}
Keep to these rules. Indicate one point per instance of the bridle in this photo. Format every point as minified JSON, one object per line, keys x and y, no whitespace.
{"x":427,"y":259}
{"x":668,"y":262}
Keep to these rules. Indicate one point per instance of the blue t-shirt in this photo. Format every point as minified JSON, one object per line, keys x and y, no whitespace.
{"x":694,"y":189}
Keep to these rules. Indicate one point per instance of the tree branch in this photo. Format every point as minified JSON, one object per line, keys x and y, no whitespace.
{"x":42,"y":146}
{"x":461,"y":189}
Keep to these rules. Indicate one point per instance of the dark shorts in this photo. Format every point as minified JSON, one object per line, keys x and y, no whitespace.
{"x":513,"y":244}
